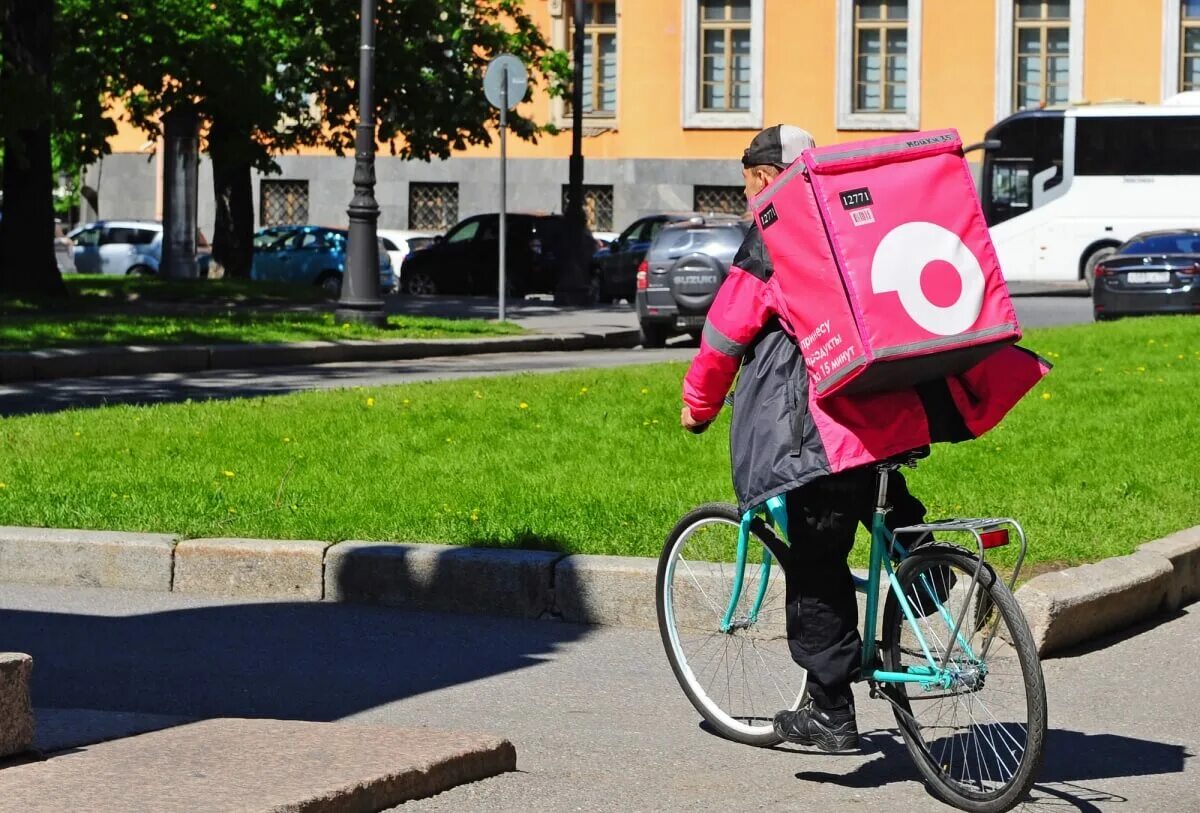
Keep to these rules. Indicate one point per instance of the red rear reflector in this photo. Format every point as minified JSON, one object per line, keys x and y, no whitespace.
{"x":643,"y":276}
{"x":995,"y":539}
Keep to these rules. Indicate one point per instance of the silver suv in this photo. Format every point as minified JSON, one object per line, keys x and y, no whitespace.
{"x":679,"y":278}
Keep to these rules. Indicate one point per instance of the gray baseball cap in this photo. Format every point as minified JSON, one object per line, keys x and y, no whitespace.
{"x":778,"y":146}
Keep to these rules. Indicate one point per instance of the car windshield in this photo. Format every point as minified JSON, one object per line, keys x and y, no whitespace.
{"x":1178,"y":243}
{"x":674,"y":242}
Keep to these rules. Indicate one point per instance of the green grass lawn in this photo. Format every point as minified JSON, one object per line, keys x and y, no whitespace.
{"x":1100,"y":457}
{"x":39,"y":332}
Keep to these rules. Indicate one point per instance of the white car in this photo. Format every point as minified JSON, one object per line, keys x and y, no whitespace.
{"x":399,"y":243}
{"x":124,"y":247}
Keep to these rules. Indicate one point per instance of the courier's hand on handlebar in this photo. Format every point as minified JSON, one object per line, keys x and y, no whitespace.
{"x":691,"y":424}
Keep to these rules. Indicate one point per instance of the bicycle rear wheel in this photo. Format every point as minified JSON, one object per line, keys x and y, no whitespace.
{"x":979,"y":743}
{"x":737,"y":679}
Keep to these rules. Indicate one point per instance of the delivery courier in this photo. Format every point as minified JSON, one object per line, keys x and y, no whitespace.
{"x":864,"y":316}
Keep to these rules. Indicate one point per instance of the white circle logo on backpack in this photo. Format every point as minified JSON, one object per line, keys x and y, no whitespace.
{"x":903,"y":254}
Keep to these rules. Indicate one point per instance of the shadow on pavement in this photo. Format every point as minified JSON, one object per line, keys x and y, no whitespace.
{"x":307,"y":661}
{"x":1112,"y":639}
{"x":1071,"y":757}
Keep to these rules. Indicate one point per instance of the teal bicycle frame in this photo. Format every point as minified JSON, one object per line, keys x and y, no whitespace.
{"x":930,"y":675}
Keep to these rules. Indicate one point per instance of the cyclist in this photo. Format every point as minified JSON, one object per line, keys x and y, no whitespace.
{"x":782,"y":443}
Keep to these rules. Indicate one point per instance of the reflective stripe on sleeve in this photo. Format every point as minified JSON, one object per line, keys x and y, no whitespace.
{"x":720,"y":342}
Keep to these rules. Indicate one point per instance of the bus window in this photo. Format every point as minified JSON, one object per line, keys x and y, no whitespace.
{"x":1010,"y":185}
{"x":1159,"y":145}
{"x":1028,"y":143}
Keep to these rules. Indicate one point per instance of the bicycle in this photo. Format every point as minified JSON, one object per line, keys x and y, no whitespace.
{"x":967,"y":693}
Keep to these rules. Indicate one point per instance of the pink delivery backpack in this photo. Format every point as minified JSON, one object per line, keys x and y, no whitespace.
{"x":882,"y":255}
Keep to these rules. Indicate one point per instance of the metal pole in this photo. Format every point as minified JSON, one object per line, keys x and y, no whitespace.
{"x":503,"y":184}
{"x":572,"y":286}
{"x":359,"y":301}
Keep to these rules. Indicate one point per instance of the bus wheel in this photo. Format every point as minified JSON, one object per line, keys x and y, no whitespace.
{"x":1094,"y":259}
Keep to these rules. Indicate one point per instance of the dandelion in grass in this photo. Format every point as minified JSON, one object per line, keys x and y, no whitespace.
{"x":287,"y":440}
{"x":3,"y":486}
{"x":478,"y":395}
{"x":232,"y":510}
{"x":645,"y":390}
{"x":523,"y":405}
{"x":229,"y":473}
{"x":370,"y":402}
{"x":1141,"y":369}
{"x":1046,"y":396}
{"x":583,"y":391}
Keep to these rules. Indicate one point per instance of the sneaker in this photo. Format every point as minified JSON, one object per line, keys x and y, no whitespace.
{"x":831,"y":730}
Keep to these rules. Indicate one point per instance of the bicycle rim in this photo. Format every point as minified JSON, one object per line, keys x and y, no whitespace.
{"x":737,"y":679}
{"x":980,"y":741}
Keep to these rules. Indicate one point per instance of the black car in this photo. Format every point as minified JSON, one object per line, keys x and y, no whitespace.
{"x":466,"y":260}
{"x":614,"y":268}
{"x":1154,"y":272}
{"x":679,"y":278}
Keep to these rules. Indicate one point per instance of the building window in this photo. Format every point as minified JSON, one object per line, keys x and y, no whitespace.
{"x":723,"y":63}
{"x":727,"y":200}
{"x":283,"y":203}
{"x":597,"y":206}
{"x":432,"y":206}
{"x":599,"y":58}
{"x":879,"y":64}
{"x":1042,"y":53}
{"x":880,"y":56}
{"x":1189,"y":51}
{"x":725,"y":55}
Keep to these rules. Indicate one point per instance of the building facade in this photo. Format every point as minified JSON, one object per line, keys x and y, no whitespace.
{"x":675,"y":89}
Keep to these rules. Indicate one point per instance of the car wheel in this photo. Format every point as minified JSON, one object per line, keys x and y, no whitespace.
{"x":419,"y":283}
{"x":331,"y":283}
{"x":1094,"y":259}
{"x":653,"y":336}
{"x":140,"y":271}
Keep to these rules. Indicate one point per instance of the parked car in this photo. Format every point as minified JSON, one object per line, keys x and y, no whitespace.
{"x":683,"y":269}
{"x":399,"y":243}
{"x":64,"y":250}
{"x":124,"y":247}
{"x":310,"y":255}
{"x":466,"y":260}
{"x":1153,"y":272}
{"x":614,"y":269}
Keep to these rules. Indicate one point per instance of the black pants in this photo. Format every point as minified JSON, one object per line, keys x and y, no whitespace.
{"x":822,"y":609}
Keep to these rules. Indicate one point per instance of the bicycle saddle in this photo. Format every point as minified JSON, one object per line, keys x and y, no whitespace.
{"x":908,"y":459}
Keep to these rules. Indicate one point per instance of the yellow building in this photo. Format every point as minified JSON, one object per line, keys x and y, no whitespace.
{"x":675,"y":89}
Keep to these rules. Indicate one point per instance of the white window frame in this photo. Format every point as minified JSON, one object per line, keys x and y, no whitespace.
{"x":847,"y":119}
{"x":561,"y":15}
{"x":692,"y":116}
{"x":1005,"y":14}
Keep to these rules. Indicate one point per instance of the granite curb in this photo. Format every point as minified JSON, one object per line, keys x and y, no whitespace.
{"x":1064,"y":608}
{"x":16,"y":708}
{"x":90,"y":362}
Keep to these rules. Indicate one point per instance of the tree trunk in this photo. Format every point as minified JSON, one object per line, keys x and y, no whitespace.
{"x":27,"y":263}
{"x":233,"y":233}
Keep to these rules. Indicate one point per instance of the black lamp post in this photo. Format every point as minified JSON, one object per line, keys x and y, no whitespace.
{"x":572,"y":285}
{"x":360,"y":301}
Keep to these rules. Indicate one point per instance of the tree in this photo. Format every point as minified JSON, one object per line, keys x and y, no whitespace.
{"x":27,"y":264}
{"x":430,"y":59}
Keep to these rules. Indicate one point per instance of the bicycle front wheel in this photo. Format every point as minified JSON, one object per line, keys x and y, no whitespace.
{"x":978,"y":741}
{"x":736,"y":674}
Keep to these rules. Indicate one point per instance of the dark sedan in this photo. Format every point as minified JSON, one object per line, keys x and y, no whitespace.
{"x":1154,"y":272}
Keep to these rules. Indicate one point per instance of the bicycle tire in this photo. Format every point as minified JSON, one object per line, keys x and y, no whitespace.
{"x":750,"y":728}
{"x":992,"y":595}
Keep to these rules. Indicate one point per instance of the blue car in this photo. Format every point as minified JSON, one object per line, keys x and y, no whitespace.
{"x":310,"y":255}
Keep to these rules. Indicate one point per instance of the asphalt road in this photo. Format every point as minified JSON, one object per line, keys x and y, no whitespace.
{"x":597,"y":719}
{"x":50,"y":396}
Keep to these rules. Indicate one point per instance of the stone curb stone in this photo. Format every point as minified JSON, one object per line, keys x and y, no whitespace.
{"x":612,"y":590}
{"x":273,"y":766}
{"x":16,"y":710}
{"x":69,"y":558}
{"x":1182,"y":550}
{"x":139,"y":360}
{"x":441,"y":577}
{"x":1074,"y":605}
{"x":251,"y":568}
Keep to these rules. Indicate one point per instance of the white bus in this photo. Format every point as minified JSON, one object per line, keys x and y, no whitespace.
{"x":1061,"y":189}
